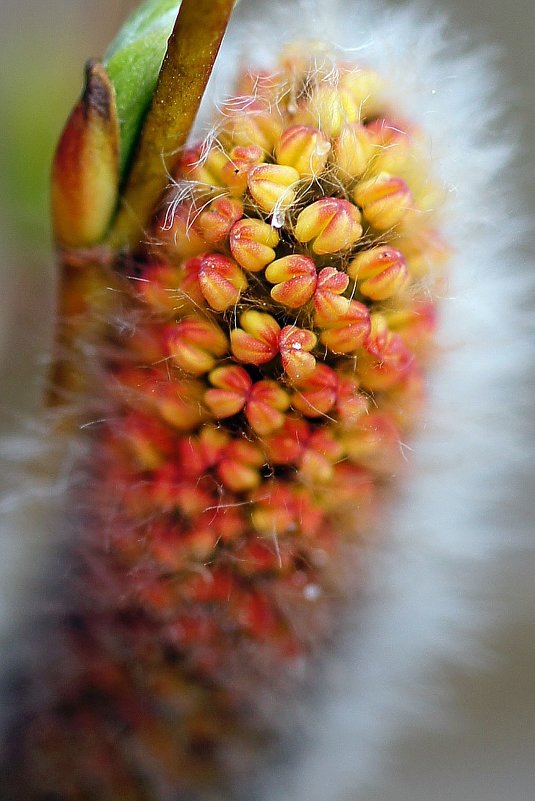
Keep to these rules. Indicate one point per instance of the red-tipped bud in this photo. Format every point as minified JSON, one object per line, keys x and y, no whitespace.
{"x":221,"y":280}
{"x":232,"y":387}
{"x":319,"y":456}
{"x":384,"y":200}
{"x":314,"y":452}
{"x":257,"y":341}
{"x":239,"y":466}
{"x":329,"y":303}
{"x":294,"y":278}
{"x":347,"y":333}
{"x":241,"y":161}
{"x":351,"y":403}
{"x":264,"y":401}
{"x":424,"y":250}
{"x":385,"y":359}
{"x":204,"y":168}
{"x":288,"y":444}
{"x":252,"y":244}
{"x":273,"y":512}
{"x":159,"y":288}
{"x":272,"y":186}
{"x":215,"y":222}
{"x":266,"y":406}
{"x":375,"y":443}
{"x":380,"y":271}
{"x":212,"y":443}
{"x":194,"y":344}
{"x":177,"y":402}
{"x":331,"y":224}
{"x":352,"y":150}
{"x":176,"y":235}
{"x":189,"y":281}
{"x":303,"y":148}
{"x":415,"y":324}
{"x":295,"y":344}
{"x":148,"y":440}
{"x":316,"y":395}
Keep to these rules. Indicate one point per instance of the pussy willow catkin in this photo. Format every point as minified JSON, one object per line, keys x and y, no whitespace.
{"x":246,"y":385}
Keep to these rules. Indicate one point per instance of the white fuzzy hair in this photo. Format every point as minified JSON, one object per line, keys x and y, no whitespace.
{"x":425,"y":602}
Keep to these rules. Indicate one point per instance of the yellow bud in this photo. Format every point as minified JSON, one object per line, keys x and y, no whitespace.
{"x":364,"y":86}
{"x":252,"y":125}
{"x":352,"y":150}
{"x":304,"y":148}
{"x":329,"y":108}
{"x":331,"y":224}
{"x":206,"y":169}
{"x":384,"y":200}
{"x":381,"y":272}
{"x":252,"y":243}
{"x":272,"y":186}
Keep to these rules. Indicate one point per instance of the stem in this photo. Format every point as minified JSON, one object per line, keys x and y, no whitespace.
{"x":191,"y":52}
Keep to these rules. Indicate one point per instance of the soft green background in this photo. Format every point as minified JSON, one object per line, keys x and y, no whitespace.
{"x":490,"y":753}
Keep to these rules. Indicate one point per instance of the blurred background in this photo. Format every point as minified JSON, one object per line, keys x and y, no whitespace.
{"x":488,"y":752}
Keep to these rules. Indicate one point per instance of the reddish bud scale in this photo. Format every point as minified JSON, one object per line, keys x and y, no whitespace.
{"x":253,"y":412}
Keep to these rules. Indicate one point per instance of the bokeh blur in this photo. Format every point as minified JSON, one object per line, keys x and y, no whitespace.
{"x":488,"y":752}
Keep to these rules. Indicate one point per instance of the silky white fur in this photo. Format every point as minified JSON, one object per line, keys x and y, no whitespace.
{"x":425,"y":603}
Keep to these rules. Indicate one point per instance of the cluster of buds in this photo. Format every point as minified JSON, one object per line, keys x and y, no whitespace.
{"x":282,"y":312}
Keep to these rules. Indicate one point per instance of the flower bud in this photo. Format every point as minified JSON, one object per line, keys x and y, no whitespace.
{"x":214,"y":223}
{"x":319,"y":456}
{"x":204,"y":168}
{"x":272,"y":186}
{"x":252,"y":122}
{"x":316,"y":394}
{"x":384,"y":200}
{"x":424,"y":250}
{"x":273,"y":512}
{"x":85,"y":174}
{"x":252,"y":244}
{"x":347,"y":333}
{"x":391,"y":146}
{"x":194,"y":344}
{"x":295,"y":344}
{"x":352,"y":150}
{"x":331,"y":224}
{"x":177,"y":237}
{"x":221,"y":281}
{"x":329,"y":303}
{"x":241,"y":161}
{"x":294,"y":278}
{"x":148,"y":440}
{"x":364,"y":86}
{"x":232,"y":386}
{"x":239,"y":466}
{"x":351,"y":403}
{"x":257,"y":341}
{"x":265,"y":407}
{"x":177,"y":402}
{"x":305,"y":149}
{"x":375,"y":443}
{"x":385,"y":358}
{"x":329,"y":108}
{"x":380,"y":271}
{"x":159,"y":288}
{"x":287,"y":445}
